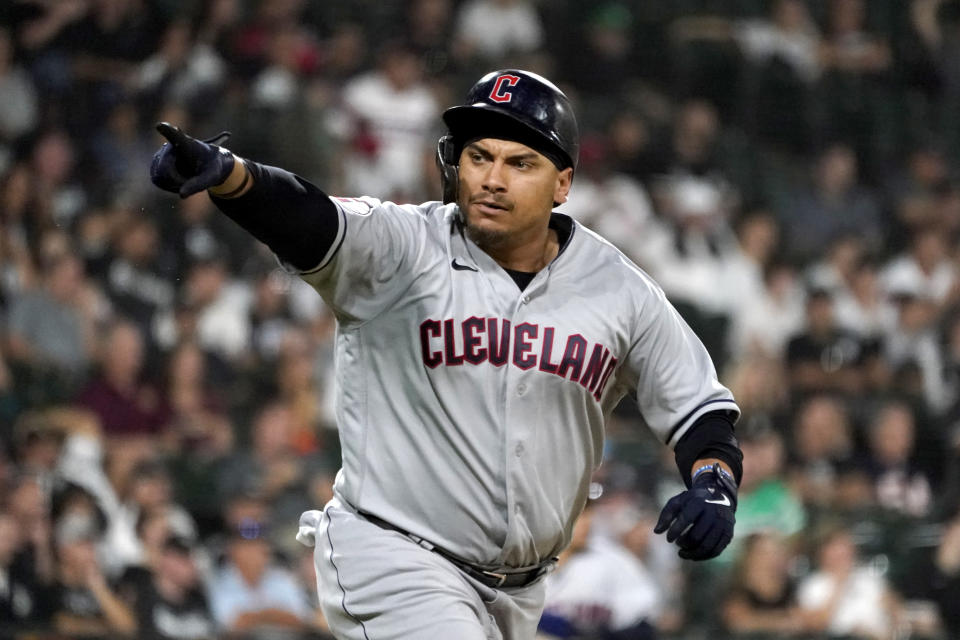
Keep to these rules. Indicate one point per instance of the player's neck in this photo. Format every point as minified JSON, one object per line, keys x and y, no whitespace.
{"x":529,"y":256}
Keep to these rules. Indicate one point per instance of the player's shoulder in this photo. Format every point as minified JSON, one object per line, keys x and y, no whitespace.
{"x":594,"y":253}
{"x":367,"y":205}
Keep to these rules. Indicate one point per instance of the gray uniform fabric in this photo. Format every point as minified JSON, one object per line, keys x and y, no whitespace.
{"x":404,"y":591}
{"x":471,"y":413}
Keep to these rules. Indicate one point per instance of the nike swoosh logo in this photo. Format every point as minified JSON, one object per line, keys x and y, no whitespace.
{"x":723,"y":503}
{"x":461,"y":267}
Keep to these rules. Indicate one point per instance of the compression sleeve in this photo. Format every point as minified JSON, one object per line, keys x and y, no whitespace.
{"x":711,"y":436}
{"x":290,"y":215}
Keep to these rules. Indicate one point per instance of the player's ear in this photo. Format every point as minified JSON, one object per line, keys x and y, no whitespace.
{"x":562,"y":188}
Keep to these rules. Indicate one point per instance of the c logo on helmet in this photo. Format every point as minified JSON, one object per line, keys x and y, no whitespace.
{"x":500,"y":92}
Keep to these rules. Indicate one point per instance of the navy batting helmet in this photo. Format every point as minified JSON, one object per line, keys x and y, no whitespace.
{"x":515,"y":105}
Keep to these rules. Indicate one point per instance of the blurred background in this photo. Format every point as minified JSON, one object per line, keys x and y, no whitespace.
{"x":788,"y":170}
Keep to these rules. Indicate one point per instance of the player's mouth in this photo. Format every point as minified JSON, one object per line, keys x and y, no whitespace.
{"x":490,"y":206}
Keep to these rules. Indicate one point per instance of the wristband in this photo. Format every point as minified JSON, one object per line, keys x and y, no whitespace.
{"x":238,"y":190}
{"x":708,"y":467}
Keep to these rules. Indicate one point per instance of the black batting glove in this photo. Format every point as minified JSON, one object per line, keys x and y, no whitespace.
{"x":700,"y":520}
{"x":186,"y":166}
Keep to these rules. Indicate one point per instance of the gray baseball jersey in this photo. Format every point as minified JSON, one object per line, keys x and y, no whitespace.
{"x":471,"y":413}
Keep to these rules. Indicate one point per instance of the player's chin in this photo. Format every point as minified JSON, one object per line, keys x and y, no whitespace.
{"x":485,"y":232}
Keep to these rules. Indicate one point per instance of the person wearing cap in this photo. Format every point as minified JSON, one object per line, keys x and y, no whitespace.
{"x":171,"y":604}
{"x":482,"y":342}
{"x":251,"y":590}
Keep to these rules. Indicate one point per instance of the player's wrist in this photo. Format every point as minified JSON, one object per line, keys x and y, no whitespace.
{"x":237,"y":183}
{"x":714,"y":478}
{"x":709,"y":467}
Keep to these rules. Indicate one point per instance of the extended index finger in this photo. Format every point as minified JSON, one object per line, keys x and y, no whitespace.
{"x":172,"y":133}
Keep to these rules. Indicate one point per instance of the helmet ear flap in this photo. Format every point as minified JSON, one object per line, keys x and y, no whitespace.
{"x":449,"y":172}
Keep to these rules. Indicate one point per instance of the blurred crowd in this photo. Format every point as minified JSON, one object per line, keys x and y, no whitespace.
{"x":788,"y":170}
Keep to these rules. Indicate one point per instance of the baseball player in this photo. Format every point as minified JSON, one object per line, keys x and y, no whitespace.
{"x":481,"y":341}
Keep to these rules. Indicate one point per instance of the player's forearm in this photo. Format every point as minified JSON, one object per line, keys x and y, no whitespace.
{"x":287,"y":213}
{"x":710,"y":439}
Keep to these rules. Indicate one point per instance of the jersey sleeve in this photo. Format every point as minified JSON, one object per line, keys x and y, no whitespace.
{"x":373,"y":260}
{"x":675,"y":379}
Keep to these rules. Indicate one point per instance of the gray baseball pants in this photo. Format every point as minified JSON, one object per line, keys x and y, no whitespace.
{"x":377,"y":584}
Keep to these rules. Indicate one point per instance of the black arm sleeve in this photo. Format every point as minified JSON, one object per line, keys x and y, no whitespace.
{"x":294,"y":218}
{"x":711,"y":436}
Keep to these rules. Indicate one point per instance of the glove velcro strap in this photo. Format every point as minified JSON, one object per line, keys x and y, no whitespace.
{"x":716,"y":476}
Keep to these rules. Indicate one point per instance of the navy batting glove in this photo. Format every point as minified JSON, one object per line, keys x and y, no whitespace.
{"x":186,"y":166}
{"x":701,"y":518}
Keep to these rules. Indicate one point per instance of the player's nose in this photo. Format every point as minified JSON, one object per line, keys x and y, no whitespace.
{"x":494,"y":178}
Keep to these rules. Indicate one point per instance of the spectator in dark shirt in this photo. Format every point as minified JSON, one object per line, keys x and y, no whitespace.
{"x":762,"y":594}
{"x":125,"y":404}
{"x":821,"y":468}
{"x":82,"y":604}
{"x":136,"y":282}
{"x":18,"y":586}
{"x":899,"y":485}
{"x":824,"y":357}
{"x":170,"y":603}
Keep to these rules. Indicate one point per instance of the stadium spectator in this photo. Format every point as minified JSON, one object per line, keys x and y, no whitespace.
{"x":765,"y":323}
{"x":183,"y":69}
{"x":386,"y":116}
{"x":843,"y":596}
{"x":251,"y":591}
{"x":911,"y":347}
{"x":768,"y":503}
{"x":862,"y":307}
{"x":218,"y":303}
{"x":603,"y":58}
{"x":50,"y":334}
{"x":19,"y":112}
{"x":856,"y":61}
{"x":271,"y":468}
{"x":491,"y":30}
{"x":600,"y":589}
{"x":149,"y":491}
{"x":762,"y":595}
{"x":820,"y":468}
{"x":19,"y":595}
{"x":833,"y":205}
{"x":170,"y":603}
{"x":136,"y":283}
{"x":82,"y":603}
{"x":899,"y":485}
{"x":824,"y":357}
{"x":429,"y":24}
{"x":126,"y":404}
